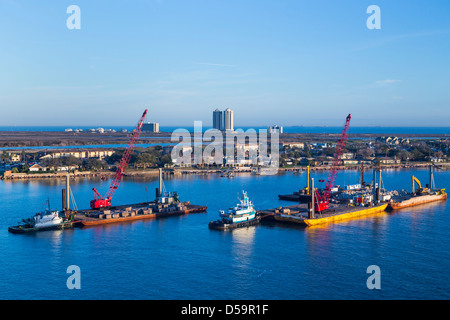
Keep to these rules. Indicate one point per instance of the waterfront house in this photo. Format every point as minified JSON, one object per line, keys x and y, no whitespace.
{"x":37,"y":168}
{"x":15,"y":157}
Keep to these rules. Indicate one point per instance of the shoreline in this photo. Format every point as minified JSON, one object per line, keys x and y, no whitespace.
{"x":11,"y":140}
{"x":183,"y":171}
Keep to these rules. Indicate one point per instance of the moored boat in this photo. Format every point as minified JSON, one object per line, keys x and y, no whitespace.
{"x":242,"y":215}
{"x":43,"y":221}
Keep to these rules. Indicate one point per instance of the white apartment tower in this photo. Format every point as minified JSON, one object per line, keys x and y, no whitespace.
{"x":228,"y":119}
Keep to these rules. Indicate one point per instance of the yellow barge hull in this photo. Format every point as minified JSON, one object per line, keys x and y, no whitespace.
{"x":345,"y":215}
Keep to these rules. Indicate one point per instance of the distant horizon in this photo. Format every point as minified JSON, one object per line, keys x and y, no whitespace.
{"x":210,"y":125}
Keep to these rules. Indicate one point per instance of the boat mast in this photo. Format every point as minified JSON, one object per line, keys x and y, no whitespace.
{"x":431,"y":177}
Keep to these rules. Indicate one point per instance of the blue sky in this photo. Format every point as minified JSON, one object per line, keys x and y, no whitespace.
{"x":298,"y":62}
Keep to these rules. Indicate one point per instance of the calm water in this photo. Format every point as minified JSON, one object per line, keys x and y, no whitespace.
{"x":180,"y":258}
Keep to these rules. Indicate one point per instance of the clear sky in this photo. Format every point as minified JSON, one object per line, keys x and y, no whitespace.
{"x":286,"y":62}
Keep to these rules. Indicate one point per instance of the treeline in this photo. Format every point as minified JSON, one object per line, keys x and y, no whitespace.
{"x":152,"y":157}
{"x":91,"y":164}
{"x":419,"y":150}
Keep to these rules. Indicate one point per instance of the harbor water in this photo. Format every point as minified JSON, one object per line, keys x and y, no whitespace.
{"x":181,"y":258}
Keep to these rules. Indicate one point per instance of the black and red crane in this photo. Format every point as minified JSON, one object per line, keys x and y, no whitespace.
{"x":102,"y":202}
{"x":321,"y":202}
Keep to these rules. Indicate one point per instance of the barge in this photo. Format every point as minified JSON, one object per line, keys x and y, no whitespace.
{"x":303,"y":195}
{"x":166,"y":204}
{"x":415,"y":200}
{"x":301,"y":215}
{"x":295,"y":197}
{"x":345,"y":214}
{"x":141,"y":211}
{"x":419,"y":196}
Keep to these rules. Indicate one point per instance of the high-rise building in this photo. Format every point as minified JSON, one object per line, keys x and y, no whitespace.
{"x":228,"y":119}
{"x":223,"y":120}
{"x":218,"y":120}
{"x":276,"y":129}
{"x":150,"y":127}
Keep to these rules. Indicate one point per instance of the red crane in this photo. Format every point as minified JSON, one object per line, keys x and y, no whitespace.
{"x":101,"y":202}
{"x":322,"y":202}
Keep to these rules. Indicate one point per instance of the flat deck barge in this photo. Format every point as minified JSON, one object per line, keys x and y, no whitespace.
{"x":133,"y":212}
{"x":299,"y":214}
{"x":411,"y":201}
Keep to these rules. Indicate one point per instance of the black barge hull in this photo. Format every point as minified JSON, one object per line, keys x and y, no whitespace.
{"x":295,"y":197}
{"x":22,"y":230}
{"x":219,"y":225}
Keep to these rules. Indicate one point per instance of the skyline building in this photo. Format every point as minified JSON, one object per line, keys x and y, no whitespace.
{"x":228,"y":120}
{"x":150,"y":127}
{"x":218,"y":119}
{"x":223,"y":120}
{"x":276,"y":129}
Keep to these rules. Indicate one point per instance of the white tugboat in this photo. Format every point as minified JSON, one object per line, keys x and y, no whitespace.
{"x":42,"y":221}
{"x":240,"y":216}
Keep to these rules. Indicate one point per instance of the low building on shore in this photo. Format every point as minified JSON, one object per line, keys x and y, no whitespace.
{"x":350,"y":162}
{"x":80,"y":154}
{"x":37,"y":168}
{"x":388,"y":160}
{"x":291,"y":145}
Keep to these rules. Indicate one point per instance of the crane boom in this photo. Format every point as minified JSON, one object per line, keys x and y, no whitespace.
{"x":106,"y":201}
{"x":126,"y":157}
{"x":322,"y":202}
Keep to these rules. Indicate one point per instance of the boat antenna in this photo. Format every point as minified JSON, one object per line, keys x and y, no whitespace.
{"x":48,"y":202}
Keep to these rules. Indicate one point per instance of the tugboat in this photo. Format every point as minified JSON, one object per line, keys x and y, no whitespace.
{"x":43,"y":221}
{"x":242,"y":215}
